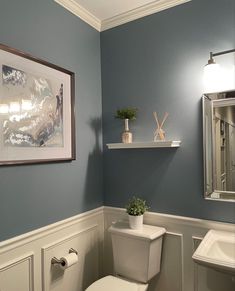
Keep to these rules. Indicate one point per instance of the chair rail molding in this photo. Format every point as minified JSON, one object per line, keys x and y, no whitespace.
{"x":46,"y":230}
{"x":27,"y":258}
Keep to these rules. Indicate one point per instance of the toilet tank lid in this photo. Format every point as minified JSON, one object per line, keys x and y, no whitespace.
{"x":148,"y":232}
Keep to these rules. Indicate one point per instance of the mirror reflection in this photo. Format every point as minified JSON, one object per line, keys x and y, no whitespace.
{"x":219,"y":145}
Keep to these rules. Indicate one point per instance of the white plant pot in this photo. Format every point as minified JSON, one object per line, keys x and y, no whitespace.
{"x":136,"y":222}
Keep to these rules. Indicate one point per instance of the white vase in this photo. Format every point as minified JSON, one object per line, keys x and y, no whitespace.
{"x":136,"y":222}
{"x":127,"y":135}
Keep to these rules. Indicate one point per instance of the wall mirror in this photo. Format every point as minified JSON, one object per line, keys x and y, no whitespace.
{"x":219,"y":145}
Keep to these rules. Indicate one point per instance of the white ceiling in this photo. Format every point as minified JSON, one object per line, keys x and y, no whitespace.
{"x":104,"y":9}
{"x":105,"y":14}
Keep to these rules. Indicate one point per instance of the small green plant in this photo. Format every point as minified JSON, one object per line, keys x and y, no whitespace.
{"x":126,"y":113}
{"x":136,"y":206}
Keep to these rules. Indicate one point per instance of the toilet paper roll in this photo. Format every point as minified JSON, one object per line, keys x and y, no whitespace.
{"x":68,"y":261}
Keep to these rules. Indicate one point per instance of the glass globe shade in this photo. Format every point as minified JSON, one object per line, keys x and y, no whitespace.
{"x":212,"y":78}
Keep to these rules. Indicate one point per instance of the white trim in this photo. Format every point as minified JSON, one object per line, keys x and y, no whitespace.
{"x":149,"y":216}
{"x":46,"y":230}
{"x":58,"y":238}
{"x":68,"y":238}
{"x":149,"y":144}
{"x":195,"y":241}
{"x":27,"y":257}
{"x":140,"y":12}
{"x":35,"y":245}
{"x":81,"y":12}
{"x":101,"y":25}
{"x":179,"y":220}
{"x":59,"y":242}
{"x":180,"y":236}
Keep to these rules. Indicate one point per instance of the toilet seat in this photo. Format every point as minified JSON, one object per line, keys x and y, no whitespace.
{"x":116,"y":284}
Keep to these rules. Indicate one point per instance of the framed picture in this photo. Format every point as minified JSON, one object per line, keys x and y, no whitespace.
{"x":37,"y":122}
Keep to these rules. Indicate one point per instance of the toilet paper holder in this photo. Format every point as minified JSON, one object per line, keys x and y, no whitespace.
{"x":61,"y":262}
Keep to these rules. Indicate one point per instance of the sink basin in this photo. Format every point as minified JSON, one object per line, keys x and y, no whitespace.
{"x":217,"y":250}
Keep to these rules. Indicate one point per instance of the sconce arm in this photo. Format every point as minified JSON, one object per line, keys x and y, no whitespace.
{"x":222,"y":53}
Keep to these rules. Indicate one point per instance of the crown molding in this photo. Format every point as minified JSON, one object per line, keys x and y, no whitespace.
{"x":85,"y":15}
{"x":81,"y":12}
{"x":140,"y":12}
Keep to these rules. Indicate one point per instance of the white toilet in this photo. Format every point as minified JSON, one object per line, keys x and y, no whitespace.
{"x":137,"y":257}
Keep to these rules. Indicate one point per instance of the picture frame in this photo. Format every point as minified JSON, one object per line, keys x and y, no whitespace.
{"x":37,"y":110}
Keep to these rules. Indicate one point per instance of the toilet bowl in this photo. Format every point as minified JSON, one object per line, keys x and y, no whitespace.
{"x":111,"y":283}
{"x":136,"y":256}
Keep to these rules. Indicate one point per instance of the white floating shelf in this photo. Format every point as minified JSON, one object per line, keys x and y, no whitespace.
{"x":141,"y":145}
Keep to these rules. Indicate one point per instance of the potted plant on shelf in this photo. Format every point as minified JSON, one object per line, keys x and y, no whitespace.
{"x":126,"y":114}
{"x":136,"y":209}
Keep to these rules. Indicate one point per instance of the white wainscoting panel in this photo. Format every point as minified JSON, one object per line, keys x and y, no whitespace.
{"x":78,"y":276}
{"x":178,"y":270}
{"x":17,"y":274}
{"x":25,"y":261}
{"x":170,"y":277}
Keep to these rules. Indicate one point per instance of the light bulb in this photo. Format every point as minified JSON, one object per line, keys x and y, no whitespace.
{"x":212,"y":78}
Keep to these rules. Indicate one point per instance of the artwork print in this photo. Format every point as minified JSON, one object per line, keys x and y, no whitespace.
{"x":35,"y":110}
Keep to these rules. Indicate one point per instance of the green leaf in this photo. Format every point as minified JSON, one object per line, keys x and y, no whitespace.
{"x":136,"y":206}
{"x":126,"y":113}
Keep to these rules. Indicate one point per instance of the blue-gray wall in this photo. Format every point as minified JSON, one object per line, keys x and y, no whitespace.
{"x":36,"y":195}
{"x":156,"y":63}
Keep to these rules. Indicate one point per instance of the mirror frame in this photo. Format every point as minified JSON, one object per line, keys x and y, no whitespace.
{"x":208,"y":100}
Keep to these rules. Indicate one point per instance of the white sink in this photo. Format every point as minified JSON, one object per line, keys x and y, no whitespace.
{"x":217,"y":250}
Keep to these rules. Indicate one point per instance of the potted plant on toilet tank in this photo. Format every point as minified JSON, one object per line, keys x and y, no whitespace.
{"x":136,"y":208}
{"x":126,"y":114}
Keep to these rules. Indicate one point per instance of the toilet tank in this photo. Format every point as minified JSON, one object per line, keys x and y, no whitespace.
{"x":136,"y":253}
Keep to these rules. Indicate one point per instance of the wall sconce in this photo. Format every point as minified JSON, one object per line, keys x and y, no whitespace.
{"x":213,"y":78}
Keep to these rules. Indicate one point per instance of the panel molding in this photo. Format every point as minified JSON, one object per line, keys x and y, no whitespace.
{"x":68,"y":238}
{"x":174,"y":221}
{"x":28,"y":237}
{"x":59,"y":242}
{"x":19,"y":260}
{"x":180,"y":237}
{"x":88,"y":226}
{"x":196,"y":241}
{"x":101,"y":25}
